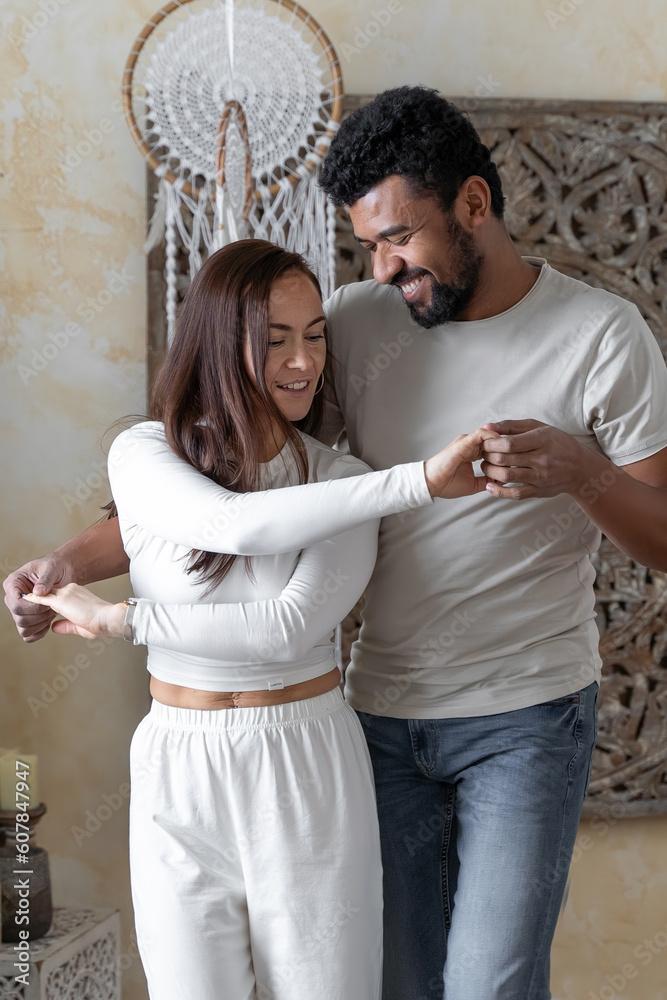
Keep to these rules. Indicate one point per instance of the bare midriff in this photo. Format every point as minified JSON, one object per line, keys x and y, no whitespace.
{"x":182,"y":697}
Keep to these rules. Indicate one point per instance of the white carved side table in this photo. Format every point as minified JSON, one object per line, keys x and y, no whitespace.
{"x":77,"y":960}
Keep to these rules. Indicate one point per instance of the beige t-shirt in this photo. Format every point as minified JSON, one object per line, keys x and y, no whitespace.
{"x":480,"y":605}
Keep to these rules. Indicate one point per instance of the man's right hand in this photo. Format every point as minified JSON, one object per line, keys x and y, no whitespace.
{"x":96,"y":554}
{"x":40,"y":576}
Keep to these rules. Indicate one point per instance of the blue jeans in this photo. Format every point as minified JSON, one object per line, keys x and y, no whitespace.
{"x":478,"y":819}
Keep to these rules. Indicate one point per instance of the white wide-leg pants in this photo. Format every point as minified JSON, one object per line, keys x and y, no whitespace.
{"x":255,"y":853}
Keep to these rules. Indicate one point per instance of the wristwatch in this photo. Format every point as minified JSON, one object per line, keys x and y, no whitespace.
{"x":130,"y":603}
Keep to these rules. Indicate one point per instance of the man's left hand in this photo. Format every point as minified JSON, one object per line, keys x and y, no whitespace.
{"x":543,"y":459}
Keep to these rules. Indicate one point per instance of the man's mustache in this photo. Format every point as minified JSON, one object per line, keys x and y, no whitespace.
{"x":405,"y":276}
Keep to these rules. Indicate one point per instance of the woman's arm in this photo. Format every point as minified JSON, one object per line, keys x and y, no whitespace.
{"x":328,"y":580}
{"x":154,"y":488}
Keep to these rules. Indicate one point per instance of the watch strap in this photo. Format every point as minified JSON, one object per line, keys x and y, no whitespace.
{"x":128,"y":634}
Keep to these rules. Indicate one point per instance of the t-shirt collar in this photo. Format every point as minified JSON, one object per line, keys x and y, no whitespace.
{"x":540,"y":262}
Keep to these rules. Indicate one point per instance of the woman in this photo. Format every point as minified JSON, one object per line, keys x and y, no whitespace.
{"x":254,"y":848}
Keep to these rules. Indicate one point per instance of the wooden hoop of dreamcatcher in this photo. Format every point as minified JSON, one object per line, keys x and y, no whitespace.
{"x":319,"y":150}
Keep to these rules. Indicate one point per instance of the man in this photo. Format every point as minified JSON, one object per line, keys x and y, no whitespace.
{"x":476,"y":672}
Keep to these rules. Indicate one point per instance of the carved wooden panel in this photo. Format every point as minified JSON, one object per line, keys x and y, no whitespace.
{"x":585,"y":186}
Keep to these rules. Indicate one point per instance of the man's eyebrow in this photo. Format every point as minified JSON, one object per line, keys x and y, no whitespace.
{"x":284,"y":326}
{"x":390,"y":231}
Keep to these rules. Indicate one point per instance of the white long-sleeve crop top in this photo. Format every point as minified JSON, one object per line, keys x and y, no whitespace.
{"x":275,"y":629}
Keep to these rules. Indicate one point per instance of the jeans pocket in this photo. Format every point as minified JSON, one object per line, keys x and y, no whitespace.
{"x":566,"y":699}
{"x":595,"y":734}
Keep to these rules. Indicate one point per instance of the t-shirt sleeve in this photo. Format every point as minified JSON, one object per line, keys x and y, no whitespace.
{"x":625,"y":396}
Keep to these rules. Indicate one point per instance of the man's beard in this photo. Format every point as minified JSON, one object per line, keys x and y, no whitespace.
{"x":449,"y":301}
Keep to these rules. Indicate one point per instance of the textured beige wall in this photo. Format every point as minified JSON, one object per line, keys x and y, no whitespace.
{"x":612,"y":939}
{"x":71,"y":230}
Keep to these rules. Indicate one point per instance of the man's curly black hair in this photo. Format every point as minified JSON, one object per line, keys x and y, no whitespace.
{"x":413,"y":132}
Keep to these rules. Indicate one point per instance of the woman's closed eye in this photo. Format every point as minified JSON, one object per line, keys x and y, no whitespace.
{"x":312,"y":338}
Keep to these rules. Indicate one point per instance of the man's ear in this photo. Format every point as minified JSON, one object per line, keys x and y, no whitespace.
{"x":473,"y":202}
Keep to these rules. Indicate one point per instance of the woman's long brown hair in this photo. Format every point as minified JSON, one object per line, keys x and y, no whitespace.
{"x":213,"y":413}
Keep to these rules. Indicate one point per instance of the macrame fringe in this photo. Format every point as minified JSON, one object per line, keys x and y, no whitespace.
{"x":298,"y":218}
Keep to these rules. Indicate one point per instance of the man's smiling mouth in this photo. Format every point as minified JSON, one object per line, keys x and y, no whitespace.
{"x":410,"y":289}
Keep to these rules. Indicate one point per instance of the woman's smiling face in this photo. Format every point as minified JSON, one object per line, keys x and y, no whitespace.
{"x":297,"y":345}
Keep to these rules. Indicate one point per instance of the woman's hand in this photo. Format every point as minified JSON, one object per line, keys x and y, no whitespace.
{"x":85,"y":614}
{"x":450,"y":474}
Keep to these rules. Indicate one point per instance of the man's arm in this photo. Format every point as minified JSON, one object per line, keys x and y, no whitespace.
{"x":629,"y":503}
{"x":96,"y":554}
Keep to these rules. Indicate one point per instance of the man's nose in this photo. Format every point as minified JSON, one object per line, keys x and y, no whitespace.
{"x":386,"y":265}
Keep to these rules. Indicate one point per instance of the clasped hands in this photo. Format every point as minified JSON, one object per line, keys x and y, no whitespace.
{"x":545,"y":460}
{"x":540,"y":460}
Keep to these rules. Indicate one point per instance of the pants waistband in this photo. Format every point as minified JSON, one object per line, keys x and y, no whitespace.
{"x":259,"y":717}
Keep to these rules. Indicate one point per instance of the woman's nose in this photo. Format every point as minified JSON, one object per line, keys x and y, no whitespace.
{"x":300,"y":359}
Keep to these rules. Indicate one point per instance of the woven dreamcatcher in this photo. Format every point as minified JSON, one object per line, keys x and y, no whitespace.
{"x":234,"y":103}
